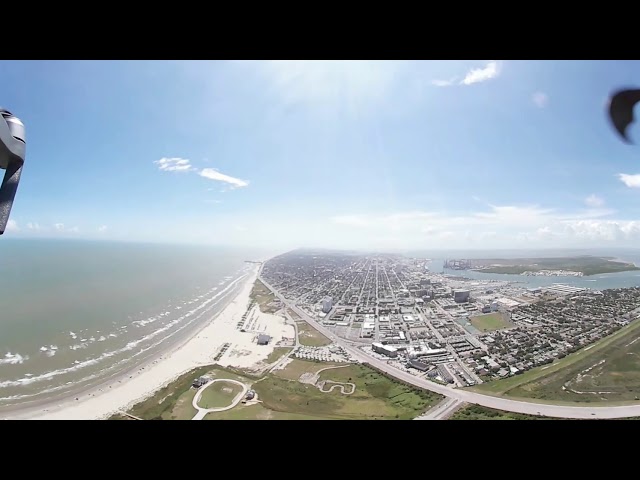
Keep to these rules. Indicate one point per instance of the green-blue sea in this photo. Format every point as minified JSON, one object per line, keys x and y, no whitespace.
{"x":74,"y":313}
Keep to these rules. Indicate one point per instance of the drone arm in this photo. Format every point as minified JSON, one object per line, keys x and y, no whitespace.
{"x":8,"y":192}
{"x":12,"y":154}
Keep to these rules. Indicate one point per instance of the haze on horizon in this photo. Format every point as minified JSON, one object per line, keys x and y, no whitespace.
{"x":336,"y":154}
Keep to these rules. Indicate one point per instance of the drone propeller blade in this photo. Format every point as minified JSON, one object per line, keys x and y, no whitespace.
{"x":621,"y":110}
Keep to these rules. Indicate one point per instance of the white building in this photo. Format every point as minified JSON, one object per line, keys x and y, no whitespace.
{"x":384,"y":350}
{"x":460,"y":296}
{"x":327,"y":304}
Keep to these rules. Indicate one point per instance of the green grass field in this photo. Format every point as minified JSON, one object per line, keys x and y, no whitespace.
{"x":174,"y":402}
{"x":218,"y":395}
{"x":309,"y":336}
{"x":476,"y":412}
{"x":117,"y":416}
{"x":258,"y":412}
{"x":611,"y":365}
{"x":277,"y":354}
{"x":262,"y":296}
{"x":490,"y":322}
{"x":588,"y":265}
{"x":296,"y":368}
{"x":375,"y":397}
{"x":283,"y":397}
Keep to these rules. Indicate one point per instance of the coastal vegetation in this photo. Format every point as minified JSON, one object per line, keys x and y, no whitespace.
{"x":587,"y":265}
{"x":309,"y":336}
{"x":606,"y":371}
{"x":477,"y":412}
{"x":261,"y":295}
{"x":174,"y":401}
{"x":292,"y":393}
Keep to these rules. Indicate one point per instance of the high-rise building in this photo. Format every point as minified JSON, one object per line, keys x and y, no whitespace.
{"x":327,"y":304}
{"x":460,"y":296}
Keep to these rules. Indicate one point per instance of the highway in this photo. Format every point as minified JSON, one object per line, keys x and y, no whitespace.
{"x":443,"y":410}
{"x":500,"y":403}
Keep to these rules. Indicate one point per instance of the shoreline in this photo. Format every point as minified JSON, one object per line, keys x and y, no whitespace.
{"x":53,"y":403}
{"x":137,"y":383}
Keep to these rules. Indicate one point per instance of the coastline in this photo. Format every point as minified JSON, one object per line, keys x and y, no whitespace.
{"x":197,"y":348}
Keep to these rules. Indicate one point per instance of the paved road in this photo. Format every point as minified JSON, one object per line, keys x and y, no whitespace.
{"x":442,"y":411}
{"x":339,"y":385}
{"x":202,"y":412}
{"x":284,"y":358}
{"x":500,"y":403}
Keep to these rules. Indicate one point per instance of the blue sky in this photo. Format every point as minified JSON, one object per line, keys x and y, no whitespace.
{"x":428,"y":154}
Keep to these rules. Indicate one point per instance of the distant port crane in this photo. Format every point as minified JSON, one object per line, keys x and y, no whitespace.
{"x":457,"y":264}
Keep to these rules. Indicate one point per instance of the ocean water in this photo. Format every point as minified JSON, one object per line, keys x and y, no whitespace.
{"x":73,"y":313}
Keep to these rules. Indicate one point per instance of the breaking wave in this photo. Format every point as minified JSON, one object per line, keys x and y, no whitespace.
{"x":79,"y":365}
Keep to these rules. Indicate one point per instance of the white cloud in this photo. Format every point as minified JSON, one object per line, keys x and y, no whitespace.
{"x":540,"y":99}
{"x":12,"y":226}
{"x":510,"y":215}
{"x":477,"y":75}
{"x":174,"y":164}
{"x":473,"y":75}
{"x":102,"y":228}
{"x":594,"y":201}
{"x":33,"y":226}
{"x":213,"y":174}
{"x":499,"y":226}
{"x":444,"y":83}
{"x":60,"y":227}
{"x":631,"y":181}
{"x":178,"y":164}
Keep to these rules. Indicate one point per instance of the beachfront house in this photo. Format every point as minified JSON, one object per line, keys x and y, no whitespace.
{"x":197,"y":383}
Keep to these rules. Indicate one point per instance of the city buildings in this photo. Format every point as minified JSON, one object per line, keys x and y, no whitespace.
{"x":430,"y":323}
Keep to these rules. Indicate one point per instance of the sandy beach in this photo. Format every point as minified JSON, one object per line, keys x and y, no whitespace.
{"x":198,"y":350}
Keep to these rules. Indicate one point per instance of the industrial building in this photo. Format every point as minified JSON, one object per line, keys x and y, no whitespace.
{"x":418,"y":365}
{"x":421,"y":351}
{"x":384,"y":350}
{"x":507,"y":303}
{"x":461,"y":296}
{"x":327,"y":304}
{"x":561,"y":289}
